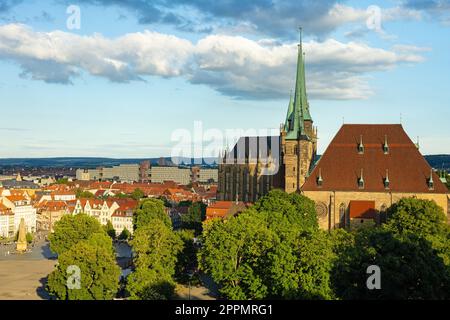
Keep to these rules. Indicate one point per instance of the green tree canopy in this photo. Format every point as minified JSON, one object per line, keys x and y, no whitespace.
{"x":155,"y":248}
{"x":297,"y":208}
{"x":71,"y":229}
{"x":125,"y":234}
{"x":410,"y":268}
{"x":137,"y":194}
{"x":194,"y":218}
{"x":416,"y":216}
{"x":84,"y":194}
{"x":149,"y":210}
{"x":99,"y":272}
{"x":109,"y":228}
{"x":273,"y":250}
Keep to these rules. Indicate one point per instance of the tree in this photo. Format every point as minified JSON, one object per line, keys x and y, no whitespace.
{"x":62,"y":181}
{"x":121,"y":195}
{"x":273,"y":250}
{"x":125,"y":234}
{"x":299,"y":209}
{"x":71,"y":229}
{"x":84,"y":194}
{"x":155,"y":248}
{"x":29,"y":237}
{"x":109,"y":228}
{"x":149,"y":210}
{"x":187,"y":257}
{"x":194,"y":218}
{"x":137,"y":194}
{"x":98,"y":270}
{"x":423,"y":219}
{"x":410,"y":268}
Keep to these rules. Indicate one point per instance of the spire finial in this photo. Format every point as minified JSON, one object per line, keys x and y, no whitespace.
{"x":300,"y":31}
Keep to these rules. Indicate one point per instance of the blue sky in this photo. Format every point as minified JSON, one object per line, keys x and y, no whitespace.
{"x":138,"y":71}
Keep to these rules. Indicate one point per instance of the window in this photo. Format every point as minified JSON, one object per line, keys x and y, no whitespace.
{"x":361,"y":183}
{"x":342,"y":216}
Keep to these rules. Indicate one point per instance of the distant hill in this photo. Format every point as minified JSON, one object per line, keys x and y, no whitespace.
{"x":441,"y":161}
{"x":87,"y":162}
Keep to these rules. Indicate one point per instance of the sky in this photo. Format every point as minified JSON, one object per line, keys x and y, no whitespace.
{"x":137,"y":78}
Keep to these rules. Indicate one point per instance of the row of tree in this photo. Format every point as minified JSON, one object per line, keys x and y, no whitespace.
{"x":276,"y":250}
{"x":161,"y":256}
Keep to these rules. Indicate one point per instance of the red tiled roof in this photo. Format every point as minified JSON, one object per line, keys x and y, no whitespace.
{"x":53,"y":205}
{"x":341,"y":165}
{"x":362,"y":209}
{"x":15,"y":198}
{"x":4,"y":210}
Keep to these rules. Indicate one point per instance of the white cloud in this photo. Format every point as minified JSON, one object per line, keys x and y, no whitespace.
{"x":232,"y":65}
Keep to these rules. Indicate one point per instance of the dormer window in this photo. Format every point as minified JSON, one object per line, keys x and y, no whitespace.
{"x":361,"y":145}
{"x":320,"y":179}
{"x":431,"y":181}
{"x":386,"y":180}
{"x":361,"y":180}
{"x":385,"y":145}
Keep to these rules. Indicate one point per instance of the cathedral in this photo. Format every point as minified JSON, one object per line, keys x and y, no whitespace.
{"x":256,"y":165}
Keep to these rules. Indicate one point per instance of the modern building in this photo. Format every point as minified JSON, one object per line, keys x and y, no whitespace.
{"x":256,"y":165}
{"x":206,"y":175}
{"x":122,"y":172}
{"x":175,"y":174}
{"x":366,"y":169}
{"x":88,"y":174}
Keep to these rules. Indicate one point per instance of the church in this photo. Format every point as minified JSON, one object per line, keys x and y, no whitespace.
{"x":256,"y":165}
{"x":365,"y":169}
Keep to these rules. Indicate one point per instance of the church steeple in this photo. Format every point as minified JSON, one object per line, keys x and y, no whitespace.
{"x":288,"y":124}
{"x":300,"y":106}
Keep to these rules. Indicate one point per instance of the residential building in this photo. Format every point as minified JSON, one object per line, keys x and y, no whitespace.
{"x":49,"y":212}
{"x":6,"y":221}
{"x":21,"y":208}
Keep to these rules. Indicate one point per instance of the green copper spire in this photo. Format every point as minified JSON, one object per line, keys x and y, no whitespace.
{"x":297,"y":128}
{"x":287,"y":124}
{"x":305,"y":105}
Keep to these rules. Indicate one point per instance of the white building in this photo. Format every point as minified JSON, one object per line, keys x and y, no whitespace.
{"x":6,"y":221}
{"x":21,"y":208}
{"x":100,"y":209}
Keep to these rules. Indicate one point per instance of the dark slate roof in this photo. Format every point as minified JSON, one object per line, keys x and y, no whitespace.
{"x":252,"y":149}
{"x":14,"y":184}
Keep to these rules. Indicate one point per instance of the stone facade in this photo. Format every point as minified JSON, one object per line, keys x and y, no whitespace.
{"x":333,"y":206}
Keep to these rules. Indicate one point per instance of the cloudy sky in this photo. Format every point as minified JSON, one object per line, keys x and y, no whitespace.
{"x":126,"y":76}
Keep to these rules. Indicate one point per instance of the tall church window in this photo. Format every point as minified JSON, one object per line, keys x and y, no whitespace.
{"x":343,"y":216}
{"x":383,"y":213}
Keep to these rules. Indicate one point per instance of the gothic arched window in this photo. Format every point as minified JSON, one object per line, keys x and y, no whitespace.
{"x":383,"y":213}
{"x":343,"y":216}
